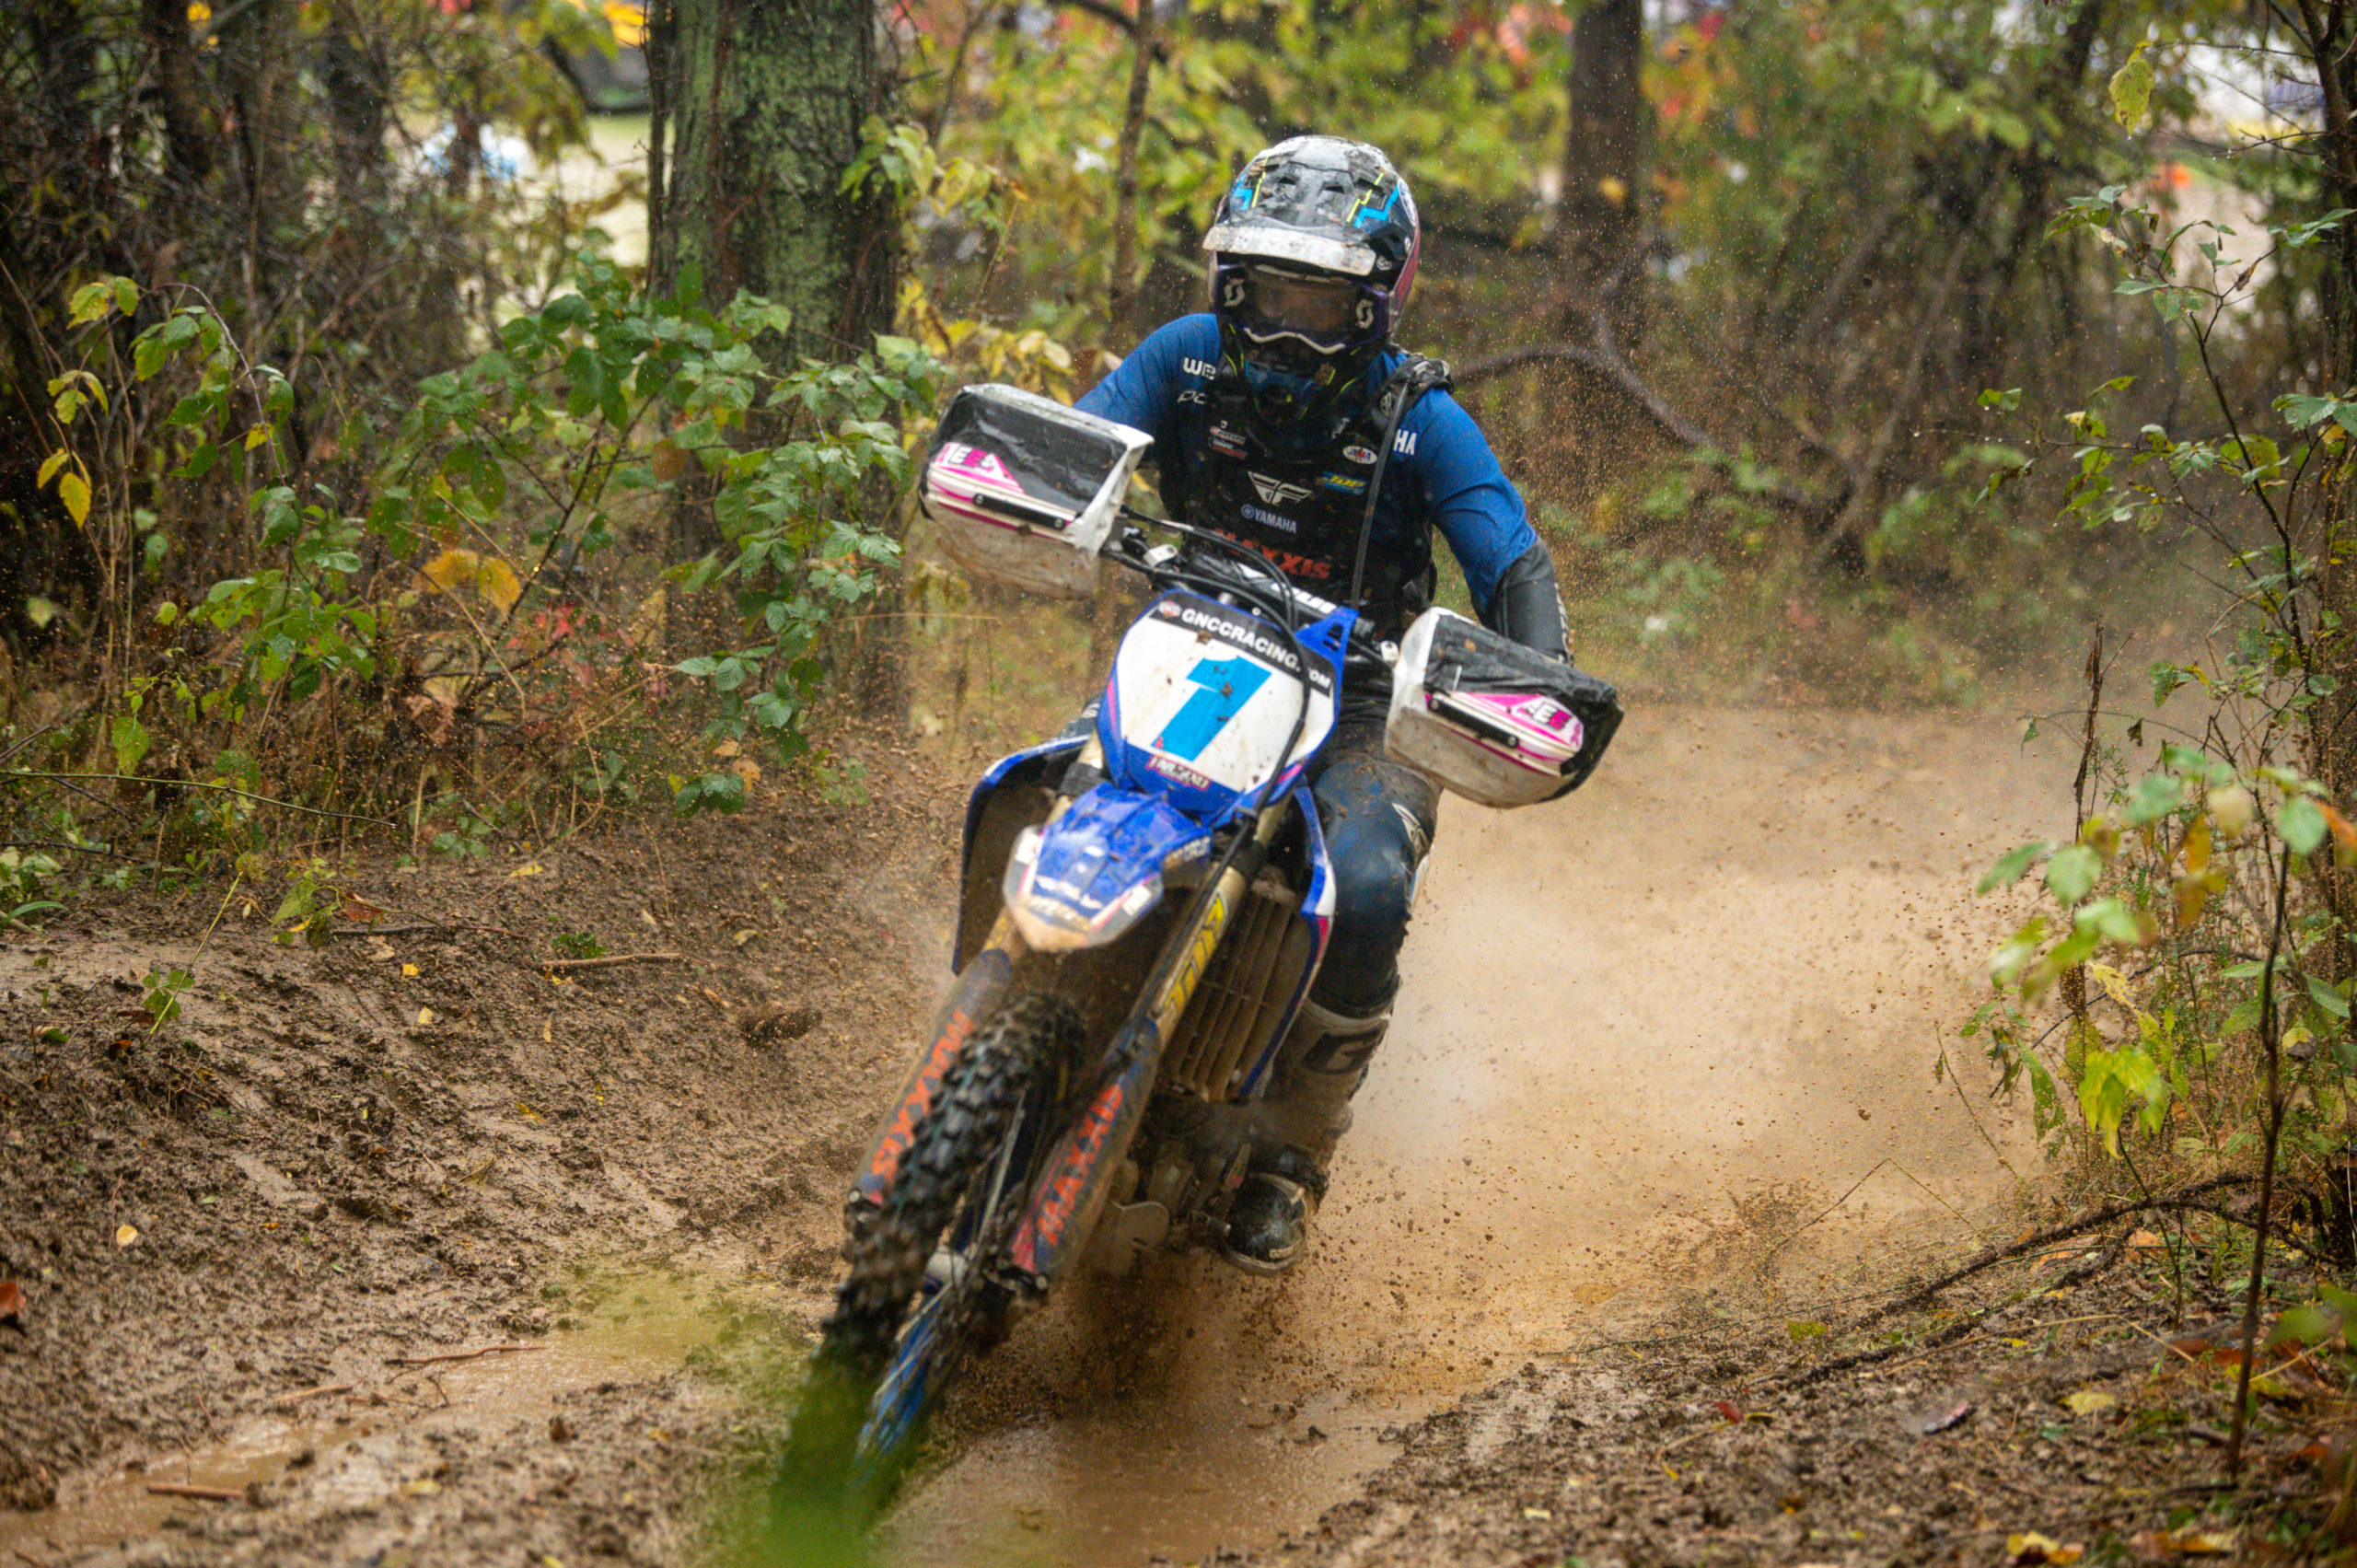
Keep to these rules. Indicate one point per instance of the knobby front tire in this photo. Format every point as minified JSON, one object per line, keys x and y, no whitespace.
{"x":937,"y":1191}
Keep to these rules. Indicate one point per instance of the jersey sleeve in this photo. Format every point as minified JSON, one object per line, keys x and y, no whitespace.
{"x":1467,"y":495}
{"x":1143,"y":391}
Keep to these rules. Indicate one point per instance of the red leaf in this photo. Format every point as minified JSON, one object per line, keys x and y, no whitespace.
{"x":12,"y":1302}
{"x":1726,"y":1408}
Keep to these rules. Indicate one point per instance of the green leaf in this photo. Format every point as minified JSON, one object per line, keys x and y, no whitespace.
{"x":2109,"y":919}
{"x":200,"y":461}
{"x":2010,"y":865}
{"x":75,"y":491}
{"x":2007,"y":964}
{"x":2072,"y":873}
{"x":49,"y":466}
{"x":2301,"y":825}
{"x":2155,"y":797}
{"x":126,"y":296}
{"x":90,"y":302}
{"x":130,"y":743}
{"x":2327,"y":996}
{"x":2313,"y":1323}
{"x":2302,"y":411}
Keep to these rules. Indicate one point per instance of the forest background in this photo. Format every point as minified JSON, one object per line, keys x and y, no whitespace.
{"x":352,"y":473}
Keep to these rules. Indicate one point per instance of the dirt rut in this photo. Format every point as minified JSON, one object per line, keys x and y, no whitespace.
{"x":1685,"y":1019}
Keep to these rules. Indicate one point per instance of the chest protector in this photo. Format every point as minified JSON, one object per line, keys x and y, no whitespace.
{"x":1304,"y":508}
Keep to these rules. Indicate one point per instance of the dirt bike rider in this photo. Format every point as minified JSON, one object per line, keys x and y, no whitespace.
{"x":1266,"y":416}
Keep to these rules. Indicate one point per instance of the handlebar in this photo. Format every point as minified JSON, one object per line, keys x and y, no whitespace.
{"x":1214,"y":564}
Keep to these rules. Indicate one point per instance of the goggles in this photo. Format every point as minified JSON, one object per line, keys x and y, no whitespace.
{"x":1321,"y":313}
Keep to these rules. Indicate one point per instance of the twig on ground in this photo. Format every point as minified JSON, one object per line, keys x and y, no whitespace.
{"x":610,"y":959}
{"x":2177,"y":1199}
{"x":1964,"y":1326}
{"x":389,"y":931}
{"x":77,"y":849}
{"x":202,"y":1493}
{"x":299,"y":1395}
{"x":454,"y":1355}
{"x":198,"y":783}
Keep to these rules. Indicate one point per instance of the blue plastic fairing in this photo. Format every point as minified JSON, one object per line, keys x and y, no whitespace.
{"x":1098,"y":868}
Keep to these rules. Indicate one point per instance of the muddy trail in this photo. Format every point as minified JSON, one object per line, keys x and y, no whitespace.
{"x":1667,"y":1048}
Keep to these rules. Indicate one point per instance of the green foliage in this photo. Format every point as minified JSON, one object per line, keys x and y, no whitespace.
{"x":306,"y":914}
{"x":578,"y":944}
{"x":159,"y":996}
{"x":599,"y":409}
{"x":23,"y":878}
{"x":805,"y":555}
{"x":1468,"y":106}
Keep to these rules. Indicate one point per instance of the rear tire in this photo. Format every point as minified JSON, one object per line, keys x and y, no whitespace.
{"x":952,"y":1183}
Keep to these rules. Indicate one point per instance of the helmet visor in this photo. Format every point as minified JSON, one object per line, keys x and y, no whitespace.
{"x":1317,"y":311}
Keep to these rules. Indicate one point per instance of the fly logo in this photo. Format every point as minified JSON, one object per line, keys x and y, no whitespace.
{"x":1359,"y":454}
{"x":1276,"y":492}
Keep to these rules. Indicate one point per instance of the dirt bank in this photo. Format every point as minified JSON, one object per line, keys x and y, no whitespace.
{"x":2050,"y":1411}
{"x":415,"y":1142}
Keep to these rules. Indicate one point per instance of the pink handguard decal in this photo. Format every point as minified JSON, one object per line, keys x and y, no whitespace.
{"x":1546,"y":734}
{"x":962,"y":475}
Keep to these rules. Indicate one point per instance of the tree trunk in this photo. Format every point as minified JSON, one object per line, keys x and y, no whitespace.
{"x":1605,"y":155}
{"x":760,"y":106}
{"x":2332,"y":736}
{"x":764,"y":107}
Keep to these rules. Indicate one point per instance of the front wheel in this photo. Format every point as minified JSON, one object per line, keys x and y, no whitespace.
{"x":948,"y":1215}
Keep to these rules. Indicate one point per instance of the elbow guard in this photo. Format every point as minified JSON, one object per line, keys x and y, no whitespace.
{"x":1528,"y":607}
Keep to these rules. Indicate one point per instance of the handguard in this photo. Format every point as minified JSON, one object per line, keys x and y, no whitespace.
{"x":1489,"y":719}
{"x":1025,"y":489}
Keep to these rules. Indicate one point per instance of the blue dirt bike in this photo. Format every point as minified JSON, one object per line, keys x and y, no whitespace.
{"x":1145,"y":901}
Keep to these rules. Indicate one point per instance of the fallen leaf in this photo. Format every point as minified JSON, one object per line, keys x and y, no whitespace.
{"x":12,"y":1302}
{"x":1727,"y":1410}
{"x":1537,"y":1513}
{"x":2086,"y":1402}
{"x":2201,"y":1544}
{"x":422,"y":1488}
{"x":530,"y":868}
{"x":2144,"y":1241}
{"x":2189,"y":1541}
{"x":125,"y":1235}
{"x":409,"y":972}
{"x":1805,"y":1330}
{"x":2032,"y":1548}
{"x":424,"y":1016}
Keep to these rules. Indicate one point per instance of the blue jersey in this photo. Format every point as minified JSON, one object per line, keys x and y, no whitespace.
{"x":1442,"y":474}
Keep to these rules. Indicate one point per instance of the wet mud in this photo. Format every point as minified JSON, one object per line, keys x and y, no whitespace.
{"x":1686,"y":1020}
{"x":1674,"y":1035}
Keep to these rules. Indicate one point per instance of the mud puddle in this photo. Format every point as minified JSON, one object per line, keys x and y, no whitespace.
{"x":1665,"y":1050}
{"x":360,"y":1443}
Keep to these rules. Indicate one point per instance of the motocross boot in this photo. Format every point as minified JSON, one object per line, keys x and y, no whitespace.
{"x":1304,"y":1113}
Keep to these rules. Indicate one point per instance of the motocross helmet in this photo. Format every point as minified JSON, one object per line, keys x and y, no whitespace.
{"x":1312,"y":253}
